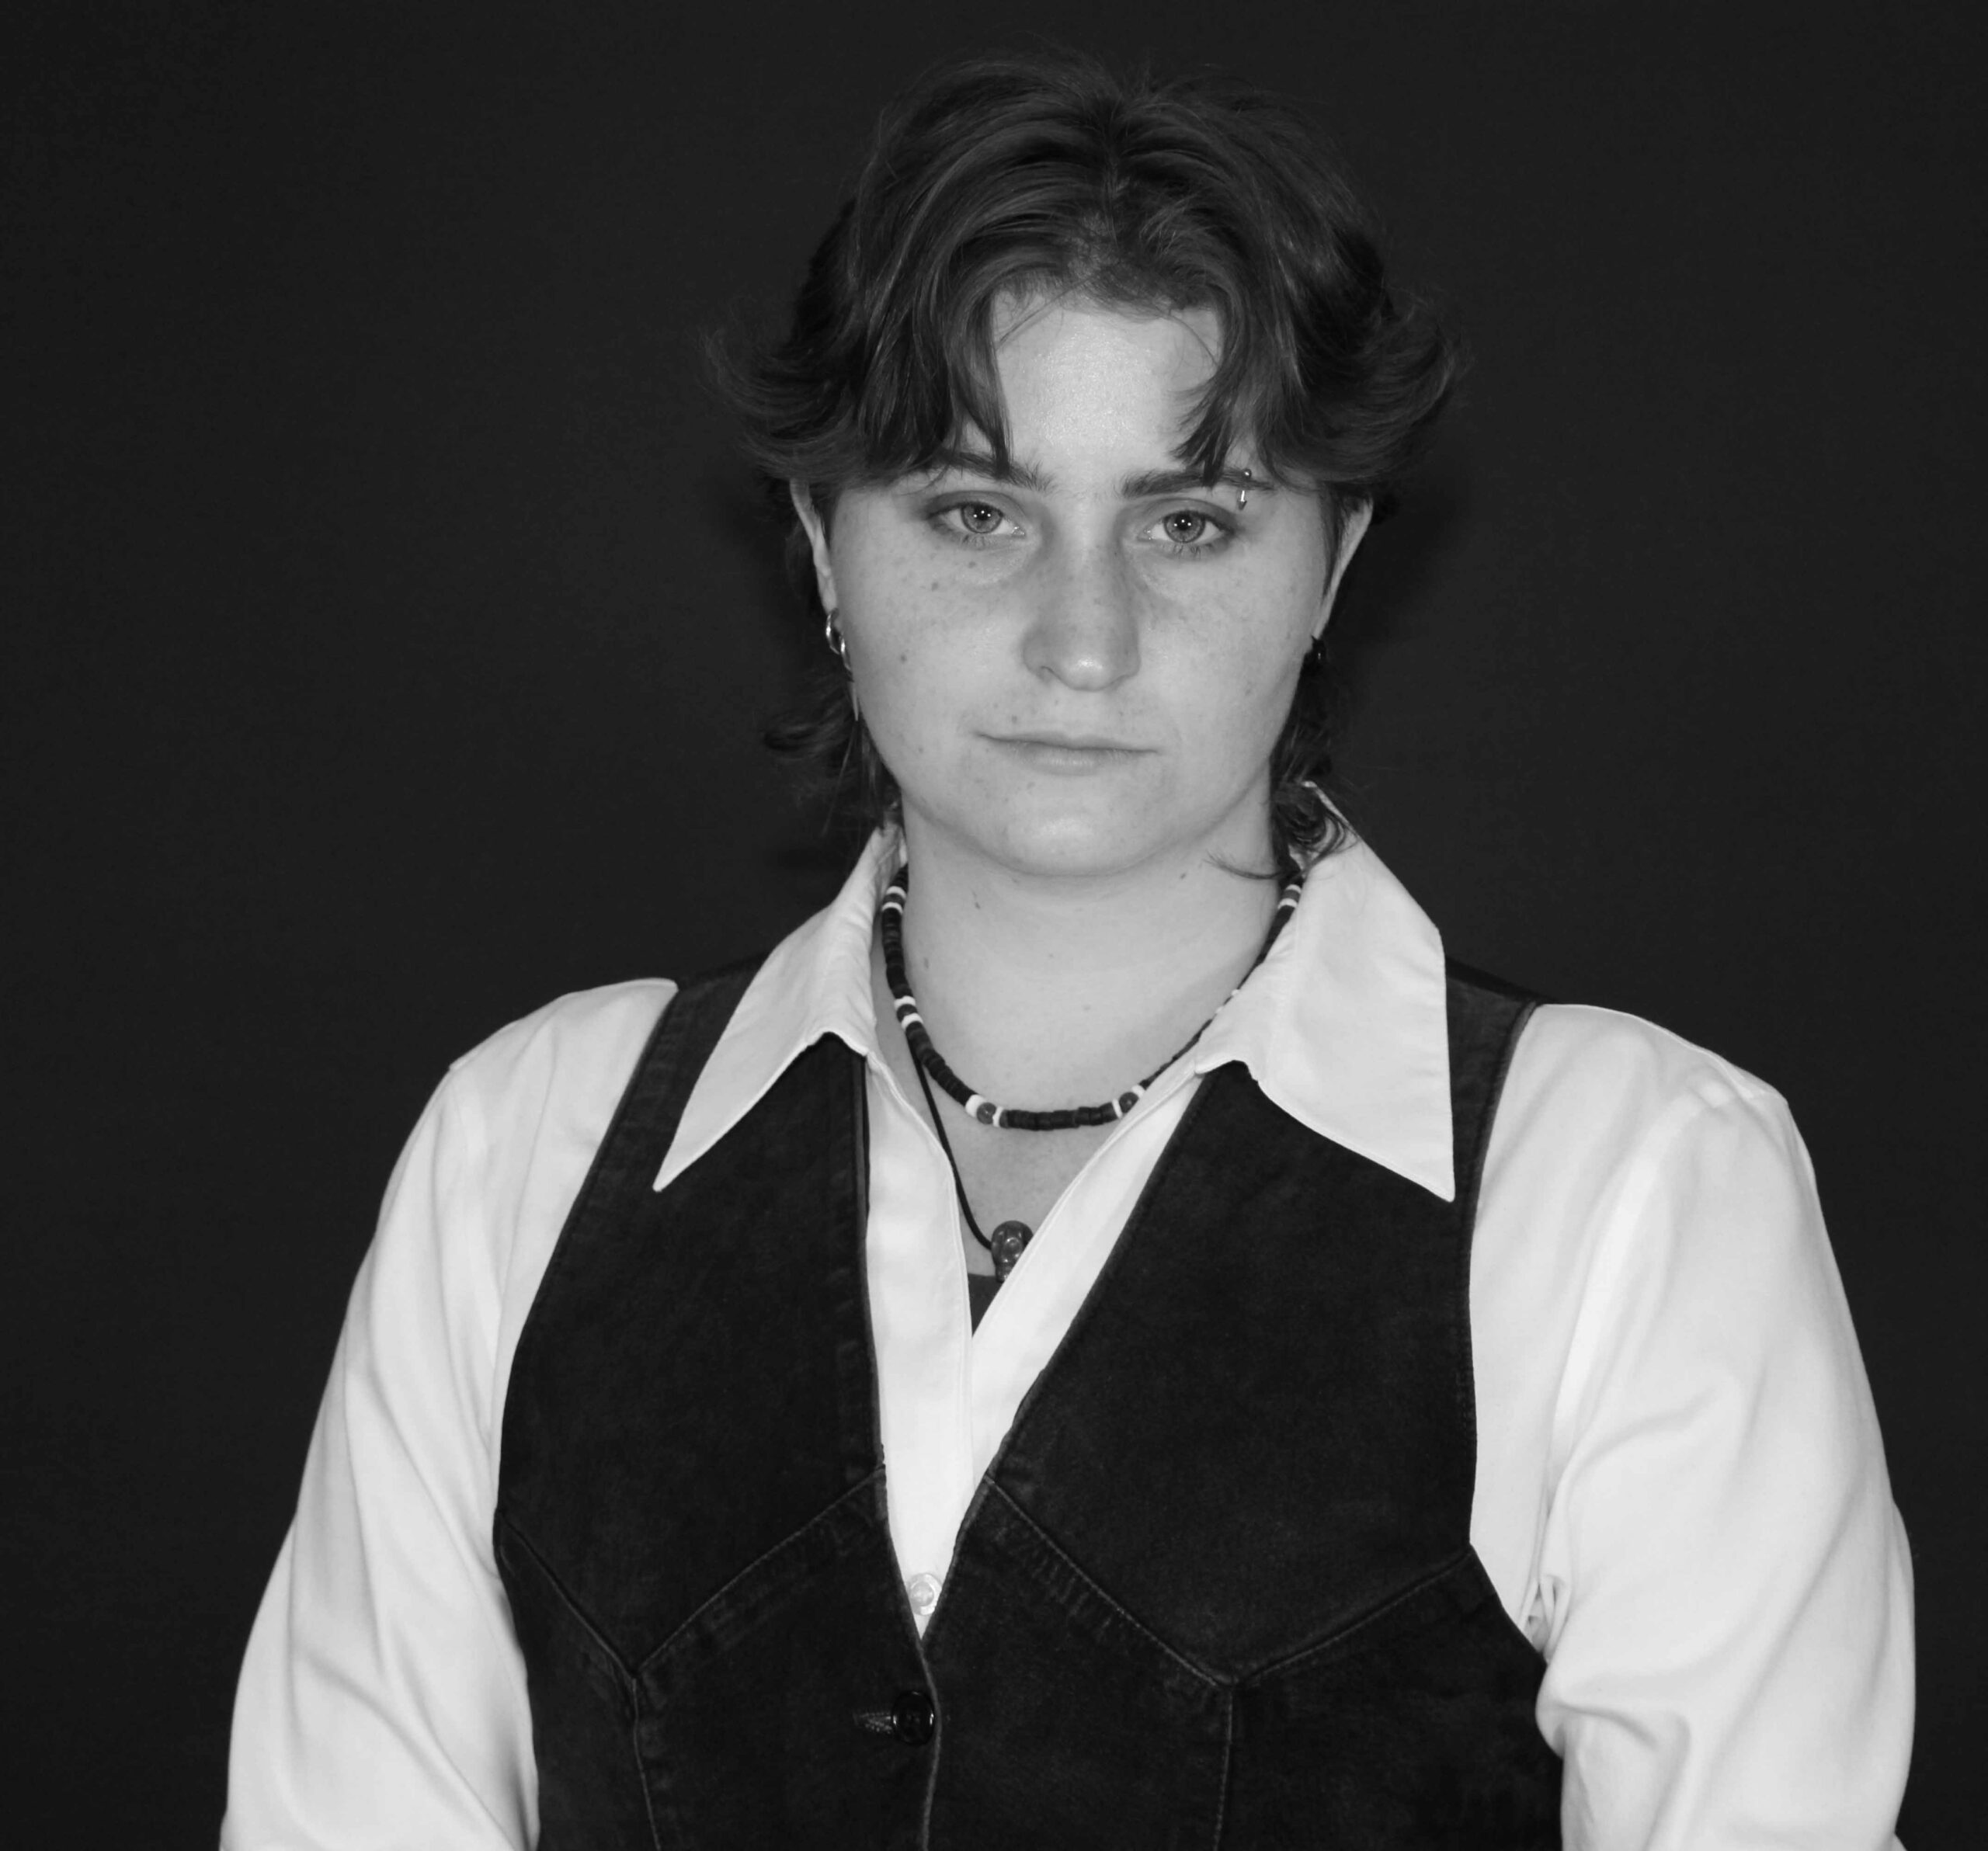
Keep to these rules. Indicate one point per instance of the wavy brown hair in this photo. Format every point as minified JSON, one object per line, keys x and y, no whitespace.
{"x":994,"y":178}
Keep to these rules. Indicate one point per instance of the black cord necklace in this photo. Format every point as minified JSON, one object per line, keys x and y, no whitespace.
{"x":1009,"y":1238}
{"x":1005,"y":1243}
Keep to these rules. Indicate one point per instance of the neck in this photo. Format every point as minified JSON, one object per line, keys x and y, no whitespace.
{"x":1046,"y":992}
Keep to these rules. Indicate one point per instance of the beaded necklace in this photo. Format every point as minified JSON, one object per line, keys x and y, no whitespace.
{"x":1009,"y":1238}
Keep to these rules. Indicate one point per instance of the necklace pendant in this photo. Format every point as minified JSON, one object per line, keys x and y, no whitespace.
{"x":1005,"y":1244}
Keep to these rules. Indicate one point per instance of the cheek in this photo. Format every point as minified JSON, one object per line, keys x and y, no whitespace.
{"x":906,"y":651}
{"x":881,"y":612}
{"x":911,"y":629}
{"x":1240,"y":689}
{"x":913,"y":668}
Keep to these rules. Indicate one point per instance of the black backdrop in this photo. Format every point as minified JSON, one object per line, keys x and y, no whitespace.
{"x":388,"y":627}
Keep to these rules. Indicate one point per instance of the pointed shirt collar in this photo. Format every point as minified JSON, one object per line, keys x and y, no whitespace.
{"x":1343,"y":1025}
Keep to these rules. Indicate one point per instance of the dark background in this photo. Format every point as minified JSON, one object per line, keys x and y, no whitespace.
{"x":387,"y":627}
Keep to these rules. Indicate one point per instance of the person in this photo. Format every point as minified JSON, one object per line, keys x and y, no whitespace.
{"x":1105,"y":1335}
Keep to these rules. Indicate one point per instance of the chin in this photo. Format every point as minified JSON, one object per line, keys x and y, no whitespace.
{"x":1075,"y":845}
{"x":1067,"y":841}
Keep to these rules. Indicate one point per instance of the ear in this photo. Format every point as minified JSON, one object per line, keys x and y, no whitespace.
{"x":816,"y":529}
{"x":1359,"y":517}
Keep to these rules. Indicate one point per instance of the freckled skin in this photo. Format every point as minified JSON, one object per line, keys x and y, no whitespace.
{"x":1171,"y":626}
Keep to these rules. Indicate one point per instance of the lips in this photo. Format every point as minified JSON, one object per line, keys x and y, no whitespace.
{"x":1075,"y":742}
{"x":1068,"y":755}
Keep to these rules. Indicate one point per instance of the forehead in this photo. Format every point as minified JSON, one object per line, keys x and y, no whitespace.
{"x":1082,"y":379}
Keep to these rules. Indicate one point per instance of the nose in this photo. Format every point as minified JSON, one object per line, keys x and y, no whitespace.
{"x":1084,"y":630}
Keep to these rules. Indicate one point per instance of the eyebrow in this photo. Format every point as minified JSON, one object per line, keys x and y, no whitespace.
{"x":1182,"y":481}
{"x":1132,"y":488}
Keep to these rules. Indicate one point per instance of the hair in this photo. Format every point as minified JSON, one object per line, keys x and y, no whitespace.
{"x":995,"y":178}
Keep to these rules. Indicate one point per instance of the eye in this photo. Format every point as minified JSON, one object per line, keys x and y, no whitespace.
{"x":1191,"y":533}
{"x":972,"y":523}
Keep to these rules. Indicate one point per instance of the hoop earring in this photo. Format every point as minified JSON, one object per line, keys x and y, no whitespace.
{"x":839,"y":644}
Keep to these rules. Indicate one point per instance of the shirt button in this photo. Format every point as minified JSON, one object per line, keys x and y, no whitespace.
{"x":924,"y":1591}
{"x":911,"y":1716}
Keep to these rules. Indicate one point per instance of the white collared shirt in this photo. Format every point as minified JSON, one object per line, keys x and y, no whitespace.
{"x":1681,"y":1494}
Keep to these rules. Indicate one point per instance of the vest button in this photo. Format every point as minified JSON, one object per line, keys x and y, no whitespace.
{"x":911,"y":1716}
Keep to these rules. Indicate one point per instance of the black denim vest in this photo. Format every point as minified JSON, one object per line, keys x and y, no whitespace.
{"x":1217,"y":1588}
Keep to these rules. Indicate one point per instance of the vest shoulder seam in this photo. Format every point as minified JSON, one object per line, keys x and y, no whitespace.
{"x":1473,"y":976}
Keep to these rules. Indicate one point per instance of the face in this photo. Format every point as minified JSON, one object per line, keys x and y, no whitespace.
{"x":1079,"y":669}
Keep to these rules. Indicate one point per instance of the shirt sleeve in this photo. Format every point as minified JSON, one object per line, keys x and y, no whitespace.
{"x":382,"y":1702}
{"x":1726,"y":1591}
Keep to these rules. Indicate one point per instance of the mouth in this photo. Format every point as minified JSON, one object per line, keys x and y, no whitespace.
{"x":1052,"y":742}
{"x":1067,"y":752}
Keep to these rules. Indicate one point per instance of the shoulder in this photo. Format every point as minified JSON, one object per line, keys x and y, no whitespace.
{"x":572,"y":1049}
{"x":1626,"y":1160}
{"x":486,"y":1181}
{"x":581,"y":1025}
{"x":1650,"y":1225}
{"x":516,"y":1120}
{"x":1580,"y":1071}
